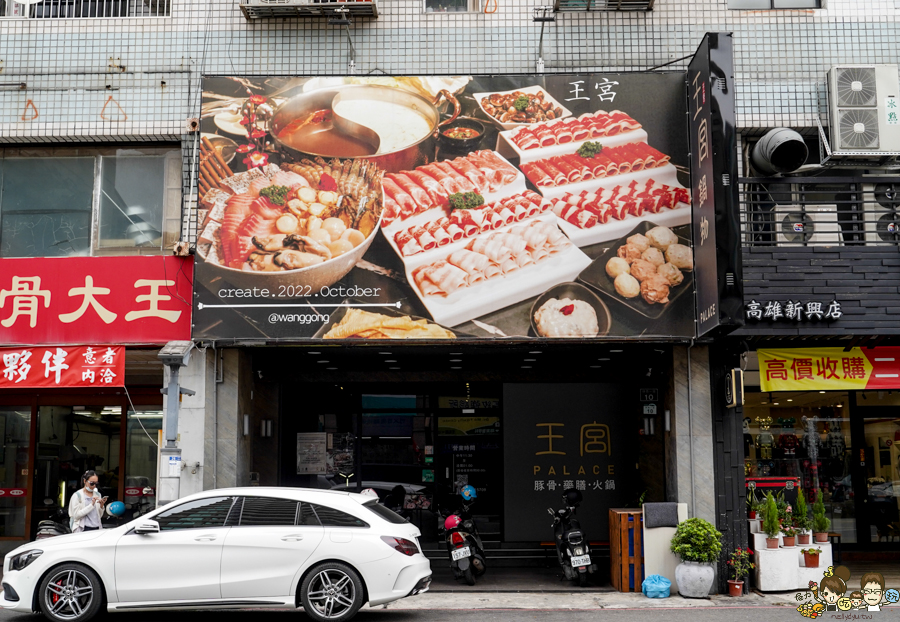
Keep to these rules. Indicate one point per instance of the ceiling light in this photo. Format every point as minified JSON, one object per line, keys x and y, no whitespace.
{"x":387,"y":353}
{"x":456,"y":368}
{"x":615,"y":350}
{"x":530,"y":360}
{"x":840,"y":405}
{"x":314,"y":353}
{"x":534,"y":352}
{"x":821,"y":391}
{"x":389,"y":361}
{"x":595,"y":366}
{"x":323,"y":361}
{"x":526,"y":366}
{"x":331,"y":368}
{"x":393,"y":368}
{"x":603,"y":359}
{"x":456,"y":354}
{"x":456,"y":360}
{"x":790,"y":400}
{"x":776,"y":403}
{"x":765,"y":402}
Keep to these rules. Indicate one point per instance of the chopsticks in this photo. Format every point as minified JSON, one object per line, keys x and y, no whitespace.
{"x":213,"y":168}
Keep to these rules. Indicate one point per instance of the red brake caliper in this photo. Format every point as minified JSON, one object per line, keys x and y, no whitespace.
{"x":56,"y":596}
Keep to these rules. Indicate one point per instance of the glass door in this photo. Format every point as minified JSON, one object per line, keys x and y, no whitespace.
{"x":15,"y":426}
{"x":142,"y":434}
{"x":881,"y":506}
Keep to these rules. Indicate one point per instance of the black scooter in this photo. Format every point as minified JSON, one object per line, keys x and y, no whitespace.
{"x":56,"y":525}
{"x":464,"y":545}
{"x":572,"y":547}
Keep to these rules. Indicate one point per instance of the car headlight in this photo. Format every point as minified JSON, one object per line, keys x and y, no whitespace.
{"x":21,"y":561}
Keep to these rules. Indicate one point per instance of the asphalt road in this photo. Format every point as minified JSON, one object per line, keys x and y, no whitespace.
{"x":711,"y":614}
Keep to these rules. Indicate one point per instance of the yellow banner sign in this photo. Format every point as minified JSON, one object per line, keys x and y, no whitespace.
{"x":818,"y":369}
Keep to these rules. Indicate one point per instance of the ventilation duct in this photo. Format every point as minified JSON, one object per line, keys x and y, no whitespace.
{"x":780,"y":151}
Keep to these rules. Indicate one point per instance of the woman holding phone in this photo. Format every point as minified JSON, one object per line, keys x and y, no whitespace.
{"x":86,"y":505}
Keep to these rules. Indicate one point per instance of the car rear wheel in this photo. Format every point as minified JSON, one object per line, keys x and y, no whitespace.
{"x":70,"y":593}
{"x":331,"y":591}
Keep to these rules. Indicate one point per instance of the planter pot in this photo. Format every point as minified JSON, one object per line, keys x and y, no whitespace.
{"x":821,"y":537}
{"x":694,"y":579}
{"x":771,"y":543}
{"x":735,"y":588}
{"x":811,"y":561}
{"x":803,"y":538}
{"x":752,"y":514}
{"x":790,"y":540}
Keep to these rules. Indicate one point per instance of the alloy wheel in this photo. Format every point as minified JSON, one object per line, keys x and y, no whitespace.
{"x":69,"y":594}
{"x":332,"y":593}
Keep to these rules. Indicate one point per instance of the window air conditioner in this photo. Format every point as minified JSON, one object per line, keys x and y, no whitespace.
{"x":864,"y":110}
{"x":881,"y":212}
{"x":797,"y":225}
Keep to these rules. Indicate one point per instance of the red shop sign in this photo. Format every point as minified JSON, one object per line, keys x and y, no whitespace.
{"x":62,"y":366}
{"x":13,"y":492}
{"x":74,"y":300}
{"x":133,"y":492}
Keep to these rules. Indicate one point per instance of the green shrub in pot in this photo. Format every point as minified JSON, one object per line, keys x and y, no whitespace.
{"x":771,"y":525}
{"x":698,"y":543}
{"x":821,"y":523}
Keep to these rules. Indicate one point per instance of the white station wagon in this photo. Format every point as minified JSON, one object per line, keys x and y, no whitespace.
{"x":329,"y":552}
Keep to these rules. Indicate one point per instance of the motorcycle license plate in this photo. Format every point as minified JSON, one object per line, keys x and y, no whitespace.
{"x":581,"y":560}
{"x":460,"y":553}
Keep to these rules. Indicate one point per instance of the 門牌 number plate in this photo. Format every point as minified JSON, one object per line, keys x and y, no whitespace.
{"x":581,"y":560}
{"x":459,"y":553}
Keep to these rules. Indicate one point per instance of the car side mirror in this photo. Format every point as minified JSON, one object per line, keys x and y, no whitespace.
{"x":147,"y":527}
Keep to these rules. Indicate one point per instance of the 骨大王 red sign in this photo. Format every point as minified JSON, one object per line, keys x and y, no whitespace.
{"x":62,"y":366}
{"x":108,"y":300}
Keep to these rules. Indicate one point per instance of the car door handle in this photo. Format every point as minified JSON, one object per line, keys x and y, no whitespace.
{"x":205,"y":538}
{"x":294,"y":537}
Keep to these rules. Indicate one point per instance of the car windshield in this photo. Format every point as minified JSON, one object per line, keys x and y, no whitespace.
{"x":383,"y":512}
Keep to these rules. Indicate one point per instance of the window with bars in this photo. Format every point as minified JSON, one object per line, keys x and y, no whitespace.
{"x":860,"y":210}
{"x":66,"y":9}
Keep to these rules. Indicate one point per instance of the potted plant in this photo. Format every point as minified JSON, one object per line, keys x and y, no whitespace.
{"x":698,"y":543}
{"x":821,"y":523}
{"x":740,"y":566}
{"x":811,"y":557}
{"x":801,"y":518}
{"x":771,"y":526}
{"x":789,"y":533}
{"x":751,"y":504}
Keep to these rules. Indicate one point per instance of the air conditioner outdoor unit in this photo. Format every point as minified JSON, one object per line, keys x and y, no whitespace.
{"x":797,"y":225}
{"x":881,"y":212}
{"x":864,"y":110}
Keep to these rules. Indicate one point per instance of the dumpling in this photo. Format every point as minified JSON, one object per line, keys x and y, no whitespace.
{"x":655,"y":289}
{"x":641,"y":269}
{"x":672,"y":274}
{"x":640,"y":240}
{"x":629,"y":252}
{"x":627,"y":286}
{"x":680,"y":256}
{"x":661,"y":237}
{"x":617,"y":266}
{"x":654,"y":256}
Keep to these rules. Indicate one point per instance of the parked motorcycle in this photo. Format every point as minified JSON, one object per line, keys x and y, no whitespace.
{"x":56,"y":525}
{"x":463,"y":541}
{"x":572,"y":547}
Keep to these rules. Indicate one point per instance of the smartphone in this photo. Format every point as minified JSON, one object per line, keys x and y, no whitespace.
{"x":104,"y":499}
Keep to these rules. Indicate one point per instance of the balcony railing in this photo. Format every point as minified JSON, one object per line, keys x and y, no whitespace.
{"x":602,"y":5}
{"x":820,"y":211}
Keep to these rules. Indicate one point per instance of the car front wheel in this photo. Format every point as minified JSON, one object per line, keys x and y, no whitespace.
{"x":331,"y":591}
{"x":70,"y":593}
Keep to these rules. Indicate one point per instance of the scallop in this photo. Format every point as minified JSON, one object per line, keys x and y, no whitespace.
{"x":307,"y":195}
{"x":321,"y":235}
{"x":334,"y":226}
{"x":339,"y":247}
{"x":327,"y":197}
{"x":287,"y":223}
{"x":353,"y":236}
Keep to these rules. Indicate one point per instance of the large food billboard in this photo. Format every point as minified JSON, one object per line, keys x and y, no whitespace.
{"x":466,"y":207}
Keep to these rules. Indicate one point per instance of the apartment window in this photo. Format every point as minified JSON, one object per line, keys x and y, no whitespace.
{"x":774,"y":4}
{"x":63,"y":9}
{"x":451,"y":6}
{"x":96,"y":201}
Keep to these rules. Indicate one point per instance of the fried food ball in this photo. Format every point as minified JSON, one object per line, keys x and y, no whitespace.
{"x":661,"y":237}
{"x":672,"y":274}
{"x":655,"y":290}
{"x":617,"y":266}
{"x":654,"y":256}
{"x":629,"y":252}
{"x":642,"y":270}
{"x":627,"y":286}
{"x":680,"y":256}
{"x":640,"y":240}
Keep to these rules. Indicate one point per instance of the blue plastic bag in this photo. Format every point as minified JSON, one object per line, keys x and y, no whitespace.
{"x":656,"y":586}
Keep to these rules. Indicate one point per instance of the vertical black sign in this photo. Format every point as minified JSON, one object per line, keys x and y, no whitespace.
{"x":702,"y":190}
